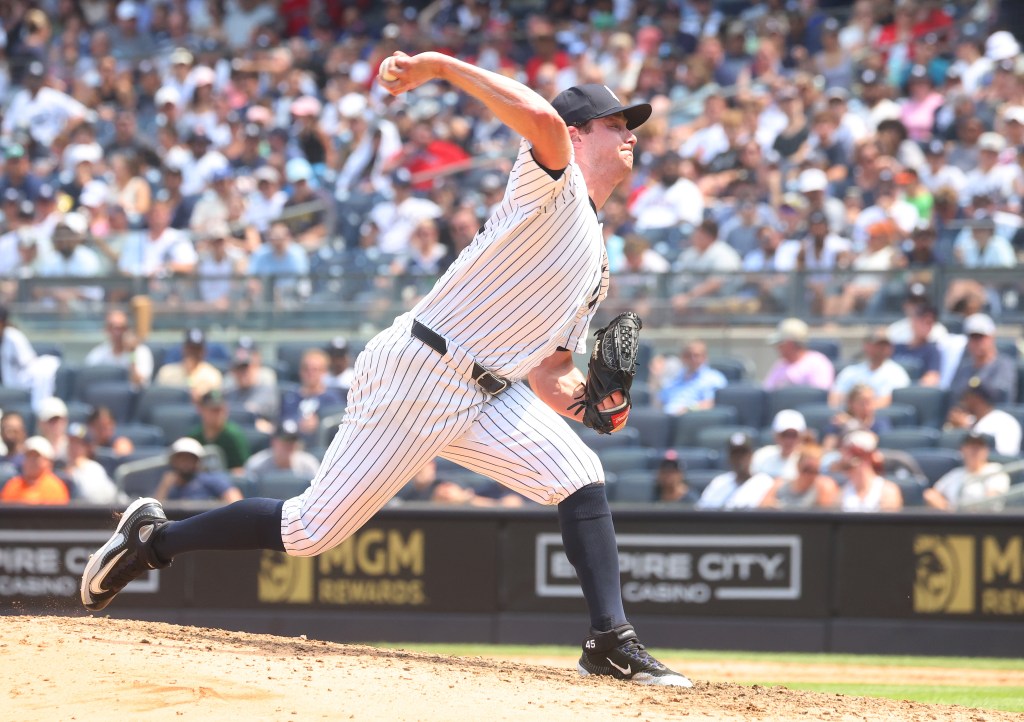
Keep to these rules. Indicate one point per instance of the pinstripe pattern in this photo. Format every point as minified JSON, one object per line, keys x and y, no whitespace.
{"x":528,"y":284}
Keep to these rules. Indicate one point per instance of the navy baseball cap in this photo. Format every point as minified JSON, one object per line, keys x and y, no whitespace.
{"x":582,"y":103}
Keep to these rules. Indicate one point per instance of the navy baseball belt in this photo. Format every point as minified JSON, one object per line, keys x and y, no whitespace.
{"x":487,"y":380}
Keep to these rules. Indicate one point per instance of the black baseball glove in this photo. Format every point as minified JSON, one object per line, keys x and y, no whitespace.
{"x":612,"y":368}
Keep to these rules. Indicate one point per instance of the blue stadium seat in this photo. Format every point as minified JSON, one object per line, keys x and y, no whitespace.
{"x":696,"y":457}
{"x":951,"y":438}
{"x":826,"y":346}
{"x":698,"y":479}
{"x":600,"y":442}
{"x":936,"y":462}
{"x":140,"y":478}
{"x":258,"y":440}
{"x":176,"y":420}
{"x":931,"y":403}
{"x":920,"y":437}
{"x":644,"y":354}
{"x":639,"y":395}
{"x":626,"y":459}
{"x":689,"y":425}
{"x":633,"y":486}
{"x":10,"y":397}
{"x":912,"y":489}
{"x":64,"y":381}
{"x":818,"y":417}
{"x":281,"y":485}
{"x":87,"y":376}
{"x":899,"y":415}
{"x":717,"y":437}
{"x":142,"y":434}
{"x":118,"y":396}
{"x":792,"y":397}
{"x":154,"y":398}
{"x":747,"y":400}
{"x":734,"y":369}
{"x":654,"y":426}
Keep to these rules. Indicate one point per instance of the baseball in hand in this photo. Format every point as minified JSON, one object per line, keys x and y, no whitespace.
{"x":385,"y":70}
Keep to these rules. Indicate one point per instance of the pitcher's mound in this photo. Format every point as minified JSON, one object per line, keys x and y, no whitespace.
{"x":58,"y":668}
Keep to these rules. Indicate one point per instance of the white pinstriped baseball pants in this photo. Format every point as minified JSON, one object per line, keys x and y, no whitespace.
{"x":408,"y":404}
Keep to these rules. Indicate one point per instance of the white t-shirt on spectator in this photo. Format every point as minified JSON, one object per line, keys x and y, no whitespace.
{"x":141,"y":358}
{"x":948,"y":176}
{"x":996,"y":182}
{"x":902,"y":332}
{"x":719,"y":256}
{"x":705,"y":144}
{"x":44,"y":116}
{"x":397,"y":222}
{"x":240,"y":23}
{"x":1002,"y":427}
{"x":960,"y":486}
{"x":724,"y":493}
{"x":142,"y":256}
{"x":883,"y":380}
{"x":260,"y":211}
{"x":768,"y":460}
{"x":997,"y":253}
{"x":833,"y":247}
{"x":660,"y":207}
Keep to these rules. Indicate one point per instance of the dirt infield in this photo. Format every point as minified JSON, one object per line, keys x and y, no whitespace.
{"x":56,"y":668}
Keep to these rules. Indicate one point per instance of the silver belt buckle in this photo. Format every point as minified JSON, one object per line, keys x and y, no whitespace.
{"x":503,"y":383}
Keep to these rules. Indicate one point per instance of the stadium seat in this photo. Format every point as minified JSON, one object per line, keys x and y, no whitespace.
{"x":912,"y":488}
{"x":920,"y":437}
{"x":639,"y":395}
{"x":931,"y":403}
{"x":290,"y":353}
{"x":176,"y":420}
{"x":154,"y":398}
{"x":689,"y":425}
{"x":634,"y":486}
{"x":695,"y":457}
{"x":118,"y":396}
{"x":717,"y":437}
{"x":951,"y":438}
{"x":899,"y":415}
{"x":1008,"y":347}
{"x":10,"y":397}
{"x":818,"y":417}
{"x":936,"y":462}
{"x":735,"y":370}
{"x":601,"y":442}
{"x":142,"y":434}
{"x":242,"y":417}
{"x":140,"y":478}
{"x":48,"y":349}
{"x":747,"y":400}
{"x":826,"y":346}
{"x":626,"y":459}
{"x":791,"y":397}
{"x":644,"y":354}
{"x":913,"y":366}
{"x":64,"y":381}
{"x":1020,"y":384}
{"x":654,"y":426}
{"x":281,"y":484}
{"x":87,"y":376}
{"x":258,"y":440}
{"x":78,"y":411}
{"x":698,"y":479}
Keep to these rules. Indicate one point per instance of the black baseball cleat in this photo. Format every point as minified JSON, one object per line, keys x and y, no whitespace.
{"x":125,"y":556}
{"x":619,"y":654}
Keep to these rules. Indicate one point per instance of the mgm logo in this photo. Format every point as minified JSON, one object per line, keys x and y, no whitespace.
{"x":944,"y":579}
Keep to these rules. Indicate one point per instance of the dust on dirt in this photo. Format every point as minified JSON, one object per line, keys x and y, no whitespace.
{"x":93,"y":668}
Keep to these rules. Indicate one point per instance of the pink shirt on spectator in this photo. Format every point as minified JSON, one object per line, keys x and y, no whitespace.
{"x":811,"y":369}
{"x":920,"y":117}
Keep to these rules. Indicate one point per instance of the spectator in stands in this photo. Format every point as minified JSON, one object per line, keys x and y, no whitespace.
{"x":859,"y":414}
{"x":46,"y":114}
{"x":70,"y":259}
{"x":978,"y":246}
{"x":712,"y":259}
{"x":122,"y":348}
{"x":281,"y":261}
{"x":877,"y":370}
{"x":902,"y":331}
{"x":20,"y":367}
{"x":12,"y":438}
{"x":216,"y":428}
{"x":982,"y":359}
{"x":738,"y":488}
{"x":976,"y":411}
{"x":396,"y":220}
{"x":103,"y":432}
{"x":870,"y":265}
{"x":809,"y":489}
{"x":670,"y":481}
{"x":89,"y":480}
{"x":306,"y":210}
{"x":976,"y":480}
{"x":185,"y":480}
{"x":285,"y":454}
{"x":160,"y":251}
{"x":819,"y":253}
{"x":249,"y":389}
{"x":37,"y":484}
{"x":779,"y":460}
{"x":220,"y":264}
{"x":53,"y":426}
{"x":797,"y":365}
{"x":306,"y":405}
{"x":919,"y":351}
{"x":694,"y":386}
{"x":193,"y":372}
{"x":671,"y":198}
{"x":424,"y":260}
{"x":339,"y":371}
{"x":865,"y":489}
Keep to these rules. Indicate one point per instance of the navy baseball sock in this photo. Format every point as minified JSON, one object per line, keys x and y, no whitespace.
{"x":246,"y":524}
{"x":589,"y":540}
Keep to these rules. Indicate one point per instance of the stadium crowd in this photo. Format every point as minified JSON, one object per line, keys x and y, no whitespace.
{"x":826,"y":161}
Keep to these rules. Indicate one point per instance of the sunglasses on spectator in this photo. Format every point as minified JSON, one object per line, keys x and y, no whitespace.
{"x":808,"y":469}
{"x":789,"y":434}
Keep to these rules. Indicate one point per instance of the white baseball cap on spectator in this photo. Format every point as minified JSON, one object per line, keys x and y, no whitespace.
{"x":82,"y":153}
{"x":1001,"y":45}
{"x":181,"y":56}
{"x":41,"y":446}
{"x":165,"y":95}
{"x":861,"y":440}
{"x":188,"y":445}
{"x":127,"y":10}
{"x":177,"y":158}
{"x":52,"y":408}
{"x":979,"y":324}
{"x":811,"y":180}
{"x":992,"y":142}
{"x":202,"y":75}
{"x":352,"y":105}
{"x":267,"y":173}
{"x":76,"y":222}
{"x":789,"y":420}
{"x":790,"y":329}
{"x":1014,"y":114}
{"x":94,"y":193}
{"x":298,"y":169}
{"x":305,"y":106}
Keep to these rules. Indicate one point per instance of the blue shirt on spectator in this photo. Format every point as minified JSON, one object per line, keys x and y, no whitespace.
{"x":294,"y":405}
{"x":265,"y":262}
{"x":923,"y":359}
{"x":204,"y":486}
{"x":686,"y":390}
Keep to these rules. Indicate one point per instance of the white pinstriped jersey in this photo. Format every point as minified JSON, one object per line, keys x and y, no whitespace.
{"x":532,"y":278}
